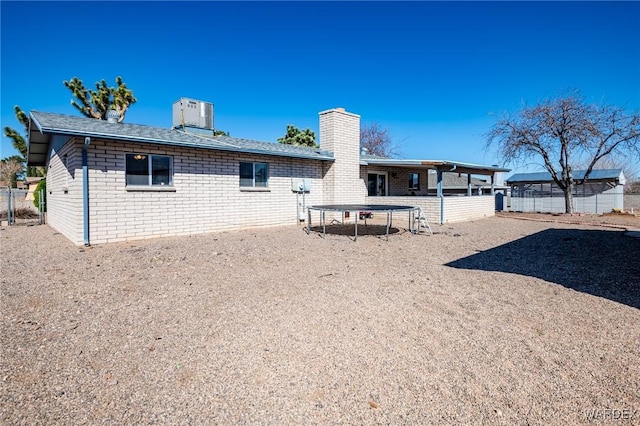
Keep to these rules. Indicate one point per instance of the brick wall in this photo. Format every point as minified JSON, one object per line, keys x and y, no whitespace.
{"x":460,"y":209}
{"x":430,"y":205}
{"x":206,"y":195}
{"x":456,"y":209}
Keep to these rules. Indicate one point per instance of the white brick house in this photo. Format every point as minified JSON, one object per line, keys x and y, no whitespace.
{"x":110,"y":182}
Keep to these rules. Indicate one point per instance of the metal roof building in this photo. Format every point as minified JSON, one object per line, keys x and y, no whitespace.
{"x":615,"y":175}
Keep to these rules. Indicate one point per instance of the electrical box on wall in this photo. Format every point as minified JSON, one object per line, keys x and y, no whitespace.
{"x":300,"y":185}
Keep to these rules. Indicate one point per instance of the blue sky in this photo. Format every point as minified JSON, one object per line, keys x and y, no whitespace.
{"x":433,"y":73}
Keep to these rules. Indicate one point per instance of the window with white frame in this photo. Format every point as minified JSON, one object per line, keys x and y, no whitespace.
{"x":149,"y":170}
{"x":414,"y":181}
{"x":254,"y":175}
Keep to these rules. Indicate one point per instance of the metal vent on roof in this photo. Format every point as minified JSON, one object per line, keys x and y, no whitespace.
{"x":113,"y":116}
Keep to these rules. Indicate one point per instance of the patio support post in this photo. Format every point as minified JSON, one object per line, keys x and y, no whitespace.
{"x":493,"y":184}
{"x":468,"y":184}
{"x":440,"y":195}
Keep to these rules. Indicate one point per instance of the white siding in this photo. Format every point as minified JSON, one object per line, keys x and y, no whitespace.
{"x":64,"y":188}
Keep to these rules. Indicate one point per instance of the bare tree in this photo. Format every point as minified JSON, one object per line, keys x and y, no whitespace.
{"x":629,"y":168}
{"x":378,"y":141}
{"x":10,"y":168}
{"x":566,"y":132}
{"x":632,"y":187}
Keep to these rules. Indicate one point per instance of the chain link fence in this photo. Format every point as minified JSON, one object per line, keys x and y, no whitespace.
{"x":17,"y":207}
{"x":595,"y":204}
{"x":632,"y":203}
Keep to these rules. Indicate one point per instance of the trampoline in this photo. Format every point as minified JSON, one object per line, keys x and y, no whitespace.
{"x":358,"y":208}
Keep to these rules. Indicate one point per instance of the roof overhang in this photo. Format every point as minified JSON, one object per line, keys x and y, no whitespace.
{"x":442,"y":165}
{"x":37,"y":144}
{"x":39,"y":141}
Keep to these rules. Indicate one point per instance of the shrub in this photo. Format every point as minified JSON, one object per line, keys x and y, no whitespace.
{"x":36,"y":200}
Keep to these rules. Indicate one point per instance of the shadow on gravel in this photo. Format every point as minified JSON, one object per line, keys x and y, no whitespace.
{"x":598,"y":262}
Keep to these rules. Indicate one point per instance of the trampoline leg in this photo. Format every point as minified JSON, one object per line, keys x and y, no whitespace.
{"x":388,"y":224}
{"x":355,"y":238}
{"x":324,"y":223}
{"x":412,"y":221}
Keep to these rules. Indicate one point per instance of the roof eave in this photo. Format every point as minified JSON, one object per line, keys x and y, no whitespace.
{"x":99,"y":135}
{"x":435,"y":164}
{"x":40,"y":158}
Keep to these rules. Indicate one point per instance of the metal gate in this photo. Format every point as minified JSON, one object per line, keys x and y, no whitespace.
{"x":17,"y":209}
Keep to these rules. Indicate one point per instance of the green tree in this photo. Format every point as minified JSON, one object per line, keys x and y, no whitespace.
{"x":217,"y":132}
{"x":17,"y":139}
{"x":96,"y":103}
{"x":42,"y":185}
{"x":299,"y":138}
{"x":19,"y":142}
{"x":566,"y":132}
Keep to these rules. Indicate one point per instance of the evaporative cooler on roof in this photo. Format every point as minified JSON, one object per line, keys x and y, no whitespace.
{"x":192,"y":113}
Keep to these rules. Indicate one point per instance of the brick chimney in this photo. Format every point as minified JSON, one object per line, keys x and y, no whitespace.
{"x":340,"y":134}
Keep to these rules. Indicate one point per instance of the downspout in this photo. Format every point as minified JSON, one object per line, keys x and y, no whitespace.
{"x":441,"y":192}
{"x":85,"y":191}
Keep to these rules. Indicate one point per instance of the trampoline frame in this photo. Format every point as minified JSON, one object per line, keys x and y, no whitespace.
{"x":357,"y":208}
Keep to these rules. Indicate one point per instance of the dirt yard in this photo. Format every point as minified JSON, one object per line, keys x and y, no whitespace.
{"x":498,"y":321}
{"x":610,"y":220}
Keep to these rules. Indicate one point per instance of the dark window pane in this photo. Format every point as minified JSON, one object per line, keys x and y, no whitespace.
{"x":414,"y":181}
{"x":262,"y":174}
{"x":137,"y":169}
{"x":161,"y":167}
{"x":246,"y":174}
{"x":371,"y":185}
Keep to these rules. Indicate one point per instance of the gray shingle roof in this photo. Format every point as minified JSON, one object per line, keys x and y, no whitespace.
{"x":541,"y":177}
{"x":49,"y":123}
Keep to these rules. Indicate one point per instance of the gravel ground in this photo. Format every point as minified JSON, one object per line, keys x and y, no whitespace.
{"x":611,"y":220}
{"x":498,"y":321}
